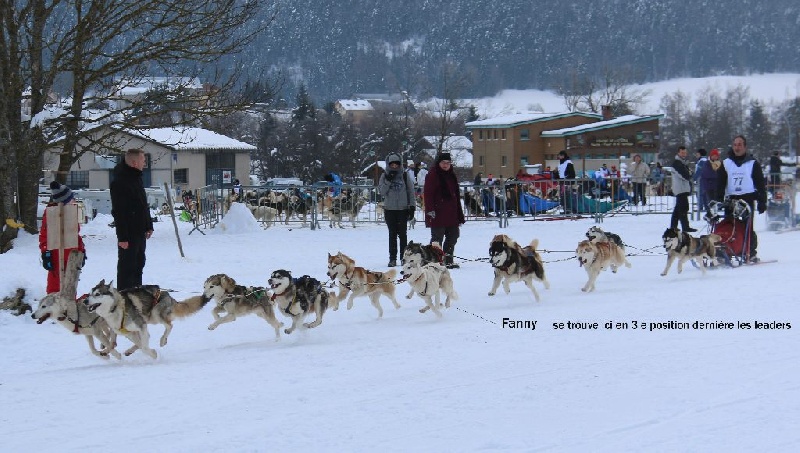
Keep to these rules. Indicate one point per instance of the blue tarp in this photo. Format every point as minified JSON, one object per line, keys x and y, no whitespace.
{"x":528,"y":204}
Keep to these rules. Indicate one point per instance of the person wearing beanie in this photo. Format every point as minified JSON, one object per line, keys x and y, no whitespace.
{"x":399,"y":204}
{"x":702,"y":195}
{"x":132,"y":219}
{"x":708,"y":176}
{"x":566,"y":170}
{"x":51,"y":258}
{"x":443,"y":211}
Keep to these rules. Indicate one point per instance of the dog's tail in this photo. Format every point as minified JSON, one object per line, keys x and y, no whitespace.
{"x":189,"y":306}
{"x":534,"y":243}
{"x":389,"y":275}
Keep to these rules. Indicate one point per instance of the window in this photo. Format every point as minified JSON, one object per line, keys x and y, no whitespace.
{"x":505,"y":161}
{"x":523,"y":160}
{"x":495,"y":134}
{"x":524,"y":134}
{"x":78,"y":179}
{"x":503,"y":134}
{"x":480,"y":161}
{"x":180,"y":176}
{"x":220,"y":160}
{"x":480,"y":134}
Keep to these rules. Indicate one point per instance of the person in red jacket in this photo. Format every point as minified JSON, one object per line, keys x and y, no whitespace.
{"x":443,"y":211}
{"x":50,"y":256}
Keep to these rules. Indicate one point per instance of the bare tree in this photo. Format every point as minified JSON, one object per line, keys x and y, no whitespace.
{"x":99,"y":48}
{"x":612,"y":87}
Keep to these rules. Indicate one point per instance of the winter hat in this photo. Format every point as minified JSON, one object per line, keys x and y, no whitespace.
{"x":61,"y":194}
{"x":701,"y":151}
{"x":393,"y":157}
{"x":714,"y":152}
{"x":443,"y":156}
{"x":423,"y":165}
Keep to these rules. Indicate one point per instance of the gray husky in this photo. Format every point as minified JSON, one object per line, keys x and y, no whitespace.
{"x":298,"y":297}
{"x":237,"y":300}
{"x":74,"y":315}
{"x":129,"y":311}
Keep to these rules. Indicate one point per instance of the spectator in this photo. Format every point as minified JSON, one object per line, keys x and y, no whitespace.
{"x":443,"y":209}
{"x":708,"y":176}
{"x":132,"y":219}
{"x":657,"y":179}
{"x":681,"y":188}
{"x":741,"y":178}
{"x":51,"y":259}
{"x":566,"y":170}
{"x":335,"y":182}
{"x":487,"y":196}
{"x":423,"y":172}
{"x":702,"y":196}
{"x":399,"y":203}
{"x":775,"y":164}
{"x":639,"y":174}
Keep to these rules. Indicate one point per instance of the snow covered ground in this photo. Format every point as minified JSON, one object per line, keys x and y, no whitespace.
{"x":409,"y":381}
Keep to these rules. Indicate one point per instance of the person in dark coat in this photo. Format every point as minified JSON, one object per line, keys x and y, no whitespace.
{"x":708,"y":175}
{"x":132,"y":219}
{"x":443,"y":212}
{"x":740,"y":177}
{"x":775,"y":164}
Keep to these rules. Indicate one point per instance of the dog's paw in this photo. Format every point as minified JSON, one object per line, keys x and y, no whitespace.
{"x":287,"y":331}
{"x":663,"y":274}
{"x":491,"y":293}
{"x":409,"y":297}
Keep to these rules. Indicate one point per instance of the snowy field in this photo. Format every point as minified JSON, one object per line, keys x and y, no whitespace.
{"x":409,"y":381}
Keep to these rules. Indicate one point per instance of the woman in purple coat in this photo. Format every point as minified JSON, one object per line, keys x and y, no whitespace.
{"x":443,"y":209}
{"x":708,"y":176}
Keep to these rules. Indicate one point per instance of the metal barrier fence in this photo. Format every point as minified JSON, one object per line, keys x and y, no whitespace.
{"x":322,"y":205}
{"x":548,"y":199}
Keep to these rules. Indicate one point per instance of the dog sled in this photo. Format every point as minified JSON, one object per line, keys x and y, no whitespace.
{"x":732,"y":221}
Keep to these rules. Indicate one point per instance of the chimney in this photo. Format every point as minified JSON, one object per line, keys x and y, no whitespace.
{"x":606,"y":110}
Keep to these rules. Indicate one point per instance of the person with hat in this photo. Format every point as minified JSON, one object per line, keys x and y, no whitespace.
{"x":132,"y":220}
{"x":443,"y":211}
{"x":702,"y":195}
{"x":681,"y":188}
{"x":51,"y":258}
{"x":399,"y":204}
{"x":708,"y":176}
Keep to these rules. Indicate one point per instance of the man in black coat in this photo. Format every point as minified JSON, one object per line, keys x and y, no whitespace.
{"x":131,"y":218}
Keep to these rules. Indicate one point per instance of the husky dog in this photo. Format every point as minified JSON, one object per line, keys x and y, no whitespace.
{"x":685,"y":247}
{"x":361,"y":282}
{"x":237,"y":300}
{"x":427,"y":281}
{"x":423,"y":254}
{"x":298,"y":297}
{"x":348,"y":203}
{"x":298,"y":204}
{"x":74,"y":315}
{"x":513,"y":263}
{"x":596,"y":234}
{"x":596,"y":257}
{"x":264,"y":214}
{"x":129,"y":311}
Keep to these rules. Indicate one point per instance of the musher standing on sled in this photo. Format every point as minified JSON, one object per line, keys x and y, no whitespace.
{"x":740,"y":178}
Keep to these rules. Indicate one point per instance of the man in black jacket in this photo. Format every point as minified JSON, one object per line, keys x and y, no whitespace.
{"x":740,"y":177}
{"x":131,"y":218}
{"x":775,"y":164}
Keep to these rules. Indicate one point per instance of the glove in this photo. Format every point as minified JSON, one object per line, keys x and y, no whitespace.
{"x":390,"y":175}
{"x":411,"y":210}
{"x":761,"y":208}
{"x":431,"y":214}
{"x":47,"y":260}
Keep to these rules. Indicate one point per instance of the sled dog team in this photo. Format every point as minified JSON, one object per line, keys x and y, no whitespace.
{"x":107,"y":312}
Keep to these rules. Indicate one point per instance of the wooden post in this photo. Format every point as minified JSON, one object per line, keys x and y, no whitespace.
{"x":172,"y":214}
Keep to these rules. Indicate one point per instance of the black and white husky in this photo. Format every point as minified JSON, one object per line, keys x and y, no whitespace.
{"x":296,"y":298}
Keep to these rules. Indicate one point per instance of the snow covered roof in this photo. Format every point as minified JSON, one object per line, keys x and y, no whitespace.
{"x":461,"y":158}
{"x":355,"y":104}
{"x":615,"y":122}
{"x":519,"y":119}
{"x":191,"y":138}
